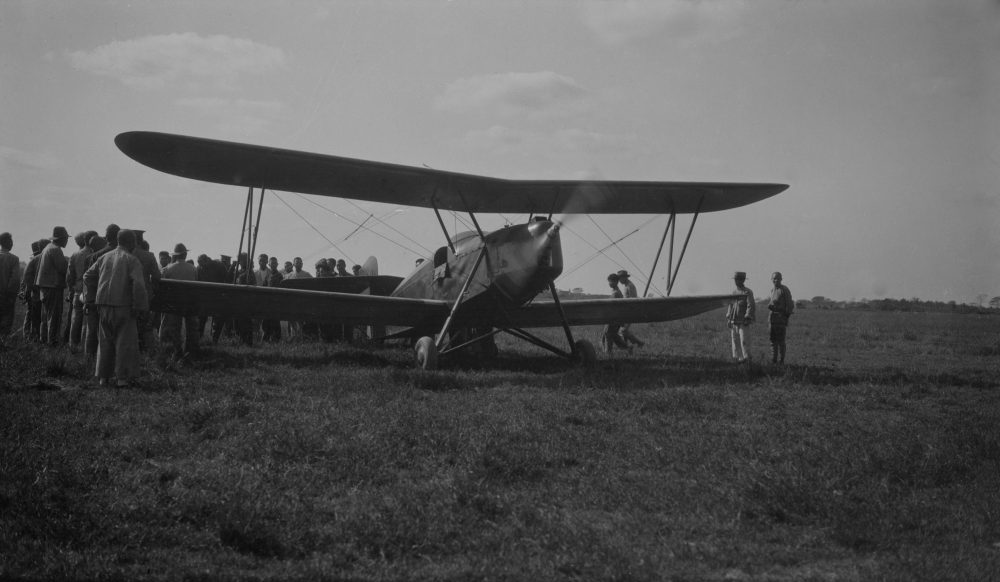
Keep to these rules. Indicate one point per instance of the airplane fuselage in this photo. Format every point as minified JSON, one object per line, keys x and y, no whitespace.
{"x":520,"y":261}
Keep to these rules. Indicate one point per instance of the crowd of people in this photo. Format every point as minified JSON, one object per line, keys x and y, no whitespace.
{"x":739,"y":316}
{"x":106,"y":285}
{"x":109,"y":280}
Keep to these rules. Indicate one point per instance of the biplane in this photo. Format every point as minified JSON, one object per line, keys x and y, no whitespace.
{"x":477,"y":284}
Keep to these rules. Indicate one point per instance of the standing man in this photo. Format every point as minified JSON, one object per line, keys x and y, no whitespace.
{"x":211,"y":271}
{"x":170,"y":330}
{"x":51,"y":282}
{"x":91,"y":323}
{"x":781,"y":307}
{"x":116,"y":289}
{"x":271,"y":328}
{"x":9,"y":283}
{"x":29,"y":294}
{"x":297,"y":272}
{"x":739,"y":316}
{"x":610,"y":336}
{"x":630,"y":293}
{"x":148,"y":324}
{"x":263,"y":273}
{"x":74,"y":283}
{"x":295,"y":327}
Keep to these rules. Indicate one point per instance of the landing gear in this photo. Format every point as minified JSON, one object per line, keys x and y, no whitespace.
{"x":585,"y":353}
{"x":427,"y":353}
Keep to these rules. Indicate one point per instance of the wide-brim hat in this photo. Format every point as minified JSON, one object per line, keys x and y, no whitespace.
{"x":179,"y":249}
{"x":623,"y":274}
{"x":739,"y":275}
{"x":60,"y":232}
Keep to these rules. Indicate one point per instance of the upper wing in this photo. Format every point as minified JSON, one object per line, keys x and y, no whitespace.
{"x":227,"y":300}
{"x":293,"y":171}
{"x":602,"y":311}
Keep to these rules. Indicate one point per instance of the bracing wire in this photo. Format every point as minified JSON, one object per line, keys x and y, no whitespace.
{"x":380,"y":235}
{"x":318,"y":231}
{"x":613,"y":243}
{"x":390,"y":227}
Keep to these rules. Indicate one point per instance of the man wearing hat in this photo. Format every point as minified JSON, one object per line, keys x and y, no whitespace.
{"x":170,"y":327}
{"x":29,"y":293}
{"x":630,"y":293}
{"x":739,"y":316}
{"x":76,"y":266}
{"x":91,"y":324}
{"x":781,"y":307}
{"x":610,"y":335}
{"x":10,"y":280}
{"x":51,"y":282}
{"x":150,"y":276}
{"x":115,"y":288}
{"x":110,"y":243}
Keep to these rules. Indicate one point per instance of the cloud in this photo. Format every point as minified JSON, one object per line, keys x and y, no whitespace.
{"x":16,"y":158}
{"x":235,"y":116}
{"x":573,"y":141}
{"x":538,"y":93}
{"x":625,"y":21}
{"x":154,"y":62}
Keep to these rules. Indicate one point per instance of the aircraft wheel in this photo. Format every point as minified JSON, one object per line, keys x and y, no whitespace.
{"x":585,"y":353}
{"x":427,"y":353}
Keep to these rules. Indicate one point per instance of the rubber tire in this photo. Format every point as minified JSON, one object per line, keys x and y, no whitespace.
{"x":426,"y":353}
{"x":586,"y":355}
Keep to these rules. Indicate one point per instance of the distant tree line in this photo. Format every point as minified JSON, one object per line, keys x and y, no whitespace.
{"x":913,"y":305}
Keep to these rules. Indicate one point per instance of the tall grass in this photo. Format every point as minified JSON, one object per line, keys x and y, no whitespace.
{"x":301,"y":460}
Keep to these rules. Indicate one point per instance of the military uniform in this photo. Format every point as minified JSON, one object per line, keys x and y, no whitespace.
{"x":74,"y":282}
{"x":170,"y":328}
{"x":29,"y":294}
{"x":114,"y":283}
{"x":610,"y":335}
{"x":630,"y":293}
{"x":781,"y":307}
{"x":740,"y":315}
{"x":51,"y":282}
{"x":10,"y":266}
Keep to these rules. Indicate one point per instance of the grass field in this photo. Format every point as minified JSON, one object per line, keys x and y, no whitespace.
{"x":873,"y":455}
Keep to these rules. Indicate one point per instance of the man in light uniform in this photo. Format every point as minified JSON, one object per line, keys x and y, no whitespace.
{"x":51,"y":283}
{"x":148,"y":324}
{"x":29,"y":294}
{"x":630,"y":293}
{"x":739,"y":316}
{"x":170,"y":328}
{"x":116,"y":288}
{"x":781,"y":307}
{"x":74,"y":283}
{"x":91,"y":323}
{"x":10,"y":279}
{"x":610,"y":336}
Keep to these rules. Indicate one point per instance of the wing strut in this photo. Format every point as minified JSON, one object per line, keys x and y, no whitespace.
{"x":649,"y":281}
{"x":687,"y":239}
{"x":671,"y":229}
{"x":461,"y":295}
{"x":251,"y":228}
{"x":444,"y":229}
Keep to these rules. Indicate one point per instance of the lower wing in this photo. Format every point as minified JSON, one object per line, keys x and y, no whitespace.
{"x":602,"y":311}
{"x":226,"y":300}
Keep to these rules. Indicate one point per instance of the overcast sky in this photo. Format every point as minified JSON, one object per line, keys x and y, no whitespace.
{"x":882,"y":116}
